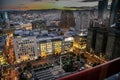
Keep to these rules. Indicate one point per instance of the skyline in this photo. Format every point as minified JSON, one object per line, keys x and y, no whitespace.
{"x":46,"y":4}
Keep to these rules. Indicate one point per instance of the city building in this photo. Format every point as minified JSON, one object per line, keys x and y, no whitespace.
{"x":68,"y":44}
{"x":102,"y":9}
{"x":113,"y":44}
{"x":91,"y":38}
{"x":69,"y":38}
{"x":101,"y":42}
{"x":80,"y":41}
{"x":25,"y":48}
{"x":50,"y":45}
{"x":105,"y":40}
{"x":97,"y":33}
{"x":113,"y":12}
{"x":67,"y":19}
{"x":31,"y":44}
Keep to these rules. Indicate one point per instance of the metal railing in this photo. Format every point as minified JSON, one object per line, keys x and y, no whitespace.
{"x":99,"y":72}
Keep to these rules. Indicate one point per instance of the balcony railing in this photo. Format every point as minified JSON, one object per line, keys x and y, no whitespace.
{"x":99,"y":72}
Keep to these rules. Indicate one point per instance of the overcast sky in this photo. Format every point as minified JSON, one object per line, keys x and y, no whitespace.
{"x":45,"y":4}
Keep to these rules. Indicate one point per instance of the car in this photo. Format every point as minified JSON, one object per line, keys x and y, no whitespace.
{"x":82,"y":68}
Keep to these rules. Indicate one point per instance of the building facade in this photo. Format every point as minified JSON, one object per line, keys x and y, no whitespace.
{"x":67,"y":19}
{"x":113,"y":44}
{"x":101,"y":42}
{"x":68,"y":44}
{"x":91,"y":38}
{"x":50,"y":45}
{"x":25,"y":48}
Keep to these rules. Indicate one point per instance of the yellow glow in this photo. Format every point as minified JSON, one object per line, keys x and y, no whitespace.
{"x":11,"y":35}
{"x":43,"y":54}
{"x":25,"y":57}
{"x":2,"y":60}
{"x":58,"y":51}
{"x":71,"y":49}
{"x":18,"y":61}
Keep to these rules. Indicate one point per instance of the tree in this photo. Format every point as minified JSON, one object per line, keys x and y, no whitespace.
{"x":68,"y":66}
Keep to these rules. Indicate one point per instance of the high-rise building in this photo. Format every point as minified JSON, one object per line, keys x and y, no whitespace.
{"x":91,"y":38}
{"x":101,"y":35}
{"x":113,"y":44}
{"x":102,"y":9}
{"x":67,"y":19}
{"x":101,"y":42}
{"x":97,"y":33}
{"x":114,"y":13}
{"x":105,"y":41}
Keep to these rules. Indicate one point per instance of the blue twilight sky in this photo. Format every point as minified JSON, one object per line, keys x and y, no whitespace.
{"x":45,"y":4}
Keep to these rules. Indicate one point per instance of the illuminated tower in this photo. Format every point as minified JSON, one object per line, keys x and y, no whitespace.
{"x":67,"y":19}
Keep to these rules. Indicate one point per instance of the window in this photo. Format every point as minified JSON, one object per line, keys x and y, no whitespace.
{"x":43,"y":47}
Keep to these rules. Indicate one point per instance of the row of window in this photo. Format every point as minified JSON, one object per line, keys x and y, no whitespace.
{"x":26,"y":42}
{"x":44,"y":47}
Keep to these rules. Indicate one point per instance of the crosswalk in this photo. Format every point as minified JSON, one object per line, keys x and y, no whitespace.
{"x":43,"y":74}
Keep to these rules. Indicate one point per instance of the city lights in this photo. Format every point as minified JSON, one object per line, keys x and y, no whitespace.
{"x":71,"y":40}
